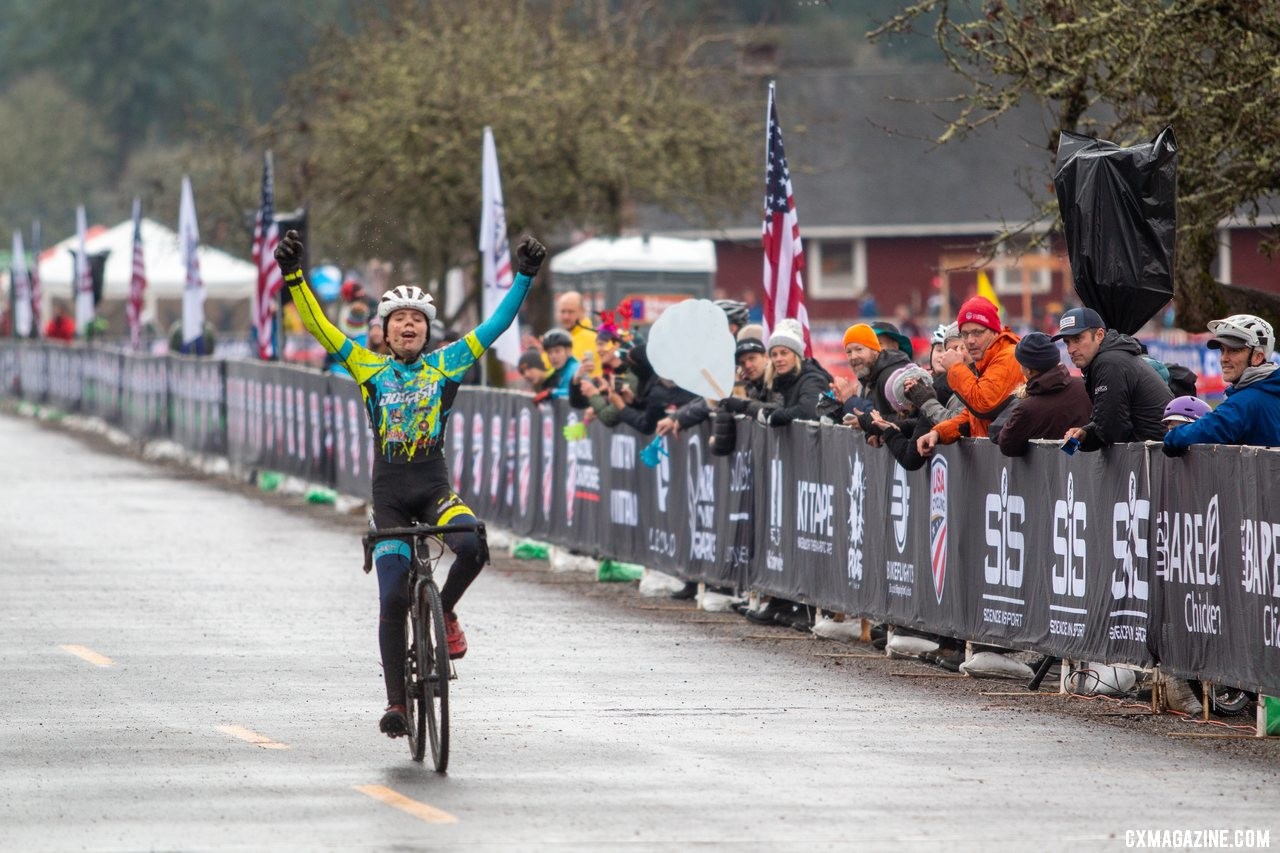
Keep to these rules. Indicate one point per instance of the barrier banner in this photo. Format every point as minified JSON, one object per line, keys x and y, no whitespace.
{"x":1217,"y":540}
{"x":196,"y":403}
{"x":1121,"y":556}
{"x":144,"y":398}
{"x":351,"y":437}
{"x":102,"y":384}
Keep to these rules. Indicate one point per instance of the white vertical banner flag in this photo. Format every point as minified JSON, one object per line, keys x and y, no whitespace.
{"x":84,"y":277}
{"x":188,"y":242}
{"x":21,"y":284}
{"x":495,"y":251}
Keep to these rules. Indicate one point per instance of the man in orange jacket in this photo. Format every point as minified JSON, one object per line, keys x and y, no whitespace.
{"x":986,"y":394}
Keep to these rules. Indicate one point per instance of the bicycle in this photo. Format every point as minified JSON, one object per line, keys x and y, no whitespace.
{"x":427,"y":670}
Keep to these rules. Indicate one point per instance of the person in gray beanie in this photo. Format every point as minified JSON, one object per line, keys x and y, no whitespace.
{"x":798,"y":382}
{"x":1052,"y":402}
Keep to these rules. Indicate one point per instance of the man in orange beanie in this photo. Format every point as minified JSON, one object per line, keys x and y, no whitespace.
{"x":872,"y":365}
{"x":998,"y":374}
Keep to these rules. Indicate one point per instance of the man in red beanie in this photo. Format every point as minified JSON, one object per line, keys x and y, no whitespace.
{"x":998,"y":374}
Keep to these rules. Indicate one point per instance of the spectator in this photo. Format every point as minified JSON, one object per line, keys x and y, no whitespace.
{"x":753,"y":370}
{"x":998,"y":375}
{"x":558,"y":346}
{"x":377,"y":339}
{"x":891,"y":338}
{"x":1184,"y":410}
{"x":614,"y":389}
{"x":1250,"y":414}
{"x":902,"y":434}
{"x":1128,"y":395}
{"x":573,"y":319}
{"x":798,"y":382}
{"x":736,"y":313}
{"x":60,"y":327}
{"x":203,"y":345}
{"x":1182,"y":380}
{"x":946,"y":403}
{"x":534,"y":371}
{"x":872,"y":364}
{"x":1052,"y":402}
{"x":653,"y":397}
{"x":353,"y":321}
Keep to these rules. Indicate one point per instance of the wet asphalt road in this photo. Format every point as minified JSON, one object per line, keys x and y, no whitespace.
{"x":153,"y":626}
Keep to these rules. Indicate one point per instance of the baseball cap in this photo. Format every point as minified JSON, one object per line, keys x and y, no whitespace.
{"x":1077,"y":320}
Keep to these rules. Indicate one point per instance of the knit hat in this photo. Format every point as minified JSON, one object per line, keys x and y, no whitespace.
{"x":894,"y":391}
{"x":530,"y":358}
{"x":788,"y":333}
{"x":862,"y":334}
{"x":1037,"y":352}
{"x":980,"y":310}
{"x":755,"y":330}
{"x":746,"y":346}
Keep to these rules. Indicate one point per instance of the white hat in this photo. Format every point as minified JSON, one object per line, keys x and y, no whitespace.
{"x":788,"y":333}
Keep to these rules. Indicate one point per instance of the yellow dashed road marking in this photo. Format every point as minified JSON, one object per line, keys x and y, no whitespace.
{"x":421,"y":811}
{"x":252,"y":737}
{"x":88,"y":654}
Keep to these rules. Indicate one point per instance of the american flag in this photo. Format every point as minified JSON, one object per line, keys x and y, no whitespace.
{"x":266,"y":236}
{"x":37,"y":330}
{"x":138,"y":280}
{"x":783,"y":253}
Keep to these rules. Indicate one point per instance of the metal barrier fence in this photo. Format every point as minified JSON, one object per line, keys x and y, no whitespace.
{"x":1123,"y":556}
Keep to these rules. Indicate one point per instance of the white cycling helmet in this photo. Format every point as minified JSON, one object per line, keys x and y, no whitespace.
{"x":1243,"y":330}
{"x":407,"y":296}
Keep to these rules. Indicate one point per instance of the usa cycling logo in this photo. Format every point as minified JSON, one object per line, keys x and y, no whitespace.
{"x":938,"y":523}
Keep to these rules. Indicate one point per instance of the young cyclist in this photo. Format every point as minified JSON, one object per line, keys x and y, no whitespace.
{"x":408,"y":395}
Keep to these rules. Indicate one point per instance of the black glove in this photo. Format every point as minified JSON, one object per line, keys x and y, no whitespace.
{"x":529,"y":256}
{"x":734,"y":405}
{"x":289,"y":253}
{"x":921,"y":393}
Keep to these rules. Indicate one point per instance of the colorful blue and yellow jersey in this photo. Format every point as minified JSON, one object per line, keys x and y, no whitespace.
{"x":407,"y":404}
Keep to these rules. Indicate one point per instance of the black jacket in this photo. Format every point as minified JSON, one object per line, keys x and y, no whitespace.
{"x":876,"y":384}
{"x":653,"y":395}
{"x":1128,"y":395}
{"x":901,"y":442}
{"x":1055,"y":402}
{"x":797,"y":393}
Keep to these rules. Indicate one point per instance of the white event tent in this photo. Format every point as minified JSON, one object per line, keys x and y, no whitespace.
{"x":228,"y":280}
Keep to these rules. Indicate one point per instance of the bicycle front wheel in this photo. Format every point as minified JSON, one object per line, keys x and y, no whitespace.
{"x":415,"y":704}
{"x":433,"y":662}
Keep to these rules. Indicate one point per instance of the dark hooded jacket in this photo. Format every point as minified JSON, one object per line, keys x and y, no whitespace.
{"x":653,"y":395}
{"x":796,"y":394}
{"x":1128,"y":395}
{"x":1055,"y":402}
{"x":876,"y":385}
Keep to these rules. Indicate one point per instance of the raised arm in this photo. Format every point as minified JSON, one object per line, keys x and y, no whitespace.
{"x":528,"y":260}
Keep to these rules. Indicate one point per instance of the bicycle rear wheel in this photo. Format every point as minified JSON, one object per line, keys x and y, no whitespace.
{"x":433,"y":660}
{"x":414,"y":704}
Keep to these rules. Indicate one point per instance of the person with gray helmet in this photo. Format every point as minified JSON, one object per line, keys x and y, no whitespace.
{"x":558,"y":346}
{"x":1250,"y":414}
{"x":736,"y":313}
{"x":1128,"y":395}
{"x":1051,"y":402}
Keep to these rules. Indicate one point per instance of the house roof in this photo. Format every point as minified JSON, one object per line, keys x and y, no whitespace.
{"x":863,"y":163}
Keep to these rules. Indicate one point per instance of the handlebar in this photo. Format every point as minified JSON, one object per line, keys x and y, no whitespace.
{"x":417,"y":531}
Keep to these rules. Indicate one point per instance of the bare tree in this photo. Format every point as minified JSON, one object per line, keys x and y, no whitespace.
{"x":1123,"y":70}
